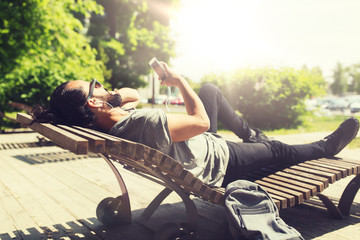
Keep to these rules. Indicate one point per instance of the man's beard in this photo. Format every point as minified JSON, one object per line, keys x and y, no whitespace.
{"x":114,"y":100}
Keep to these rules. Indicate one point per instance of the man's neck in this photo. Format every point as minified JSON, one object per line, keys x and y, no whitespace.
{"x":106,"y":119}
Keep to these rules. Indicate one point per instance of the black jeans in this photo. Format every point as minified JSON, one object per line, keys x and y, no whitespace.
{"x":245,"y":157}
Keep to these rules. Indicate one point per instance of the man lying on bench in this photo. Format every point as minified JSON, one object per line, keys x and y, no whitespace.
{"x":189,"y":138}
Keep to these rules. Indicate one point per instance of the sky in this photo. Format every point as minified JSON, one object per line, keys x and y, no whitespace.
{"x":216,"y":36}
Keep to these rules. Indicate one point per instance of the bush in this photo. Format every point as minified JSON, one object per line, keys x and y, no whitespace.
{"x":42,"y":46}
{"x":270,"y":98}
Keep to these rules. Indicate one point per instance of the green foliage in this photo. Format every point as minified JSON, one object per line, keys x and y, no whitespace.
{"x":270,"y":98}
{"x":41,"y":46}
{"x":346,"y":79}
{"x":128,"y":35}
{"x":354,"y":74}
{"x":46,"y":42}
{"x":340,"y":85}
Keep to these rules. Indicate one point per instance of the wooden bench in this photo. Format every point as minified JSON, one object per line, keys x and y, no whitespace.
{"x":287,"y":185}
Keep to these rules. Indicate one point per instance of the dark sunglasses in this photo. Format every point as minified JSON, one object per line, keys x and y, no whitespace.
{"x":94,"y":84}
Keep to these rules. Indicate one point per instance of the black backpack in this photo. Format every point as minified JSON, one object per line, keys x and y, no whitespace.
{"x":252,"y":214}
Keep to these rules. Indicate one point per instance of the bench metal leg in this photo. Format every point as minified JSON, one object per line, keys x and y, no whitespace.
{"x":346,"y":200}
{"x":348,"y":195}
{"x":191,"y":210}
{"x":123,"y":199}
{"x":171,"y":230}
{"x":192,"y":215}
{"x":331,"y":207}
{"x":148,"y":212}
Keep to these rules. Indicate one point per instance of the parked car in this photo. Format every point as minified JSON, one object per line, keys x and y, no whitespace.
{"x":324,"y":102}
{"x":177,"y":101}
{"x":352,"y":98}
{"x":338,"y":104}
{"x":355,"y":107}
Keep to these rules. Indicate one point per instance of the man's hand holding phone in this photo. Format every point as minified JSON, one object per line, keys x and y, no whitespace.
{"x":166,"y":76}
{"x":158,"y":68}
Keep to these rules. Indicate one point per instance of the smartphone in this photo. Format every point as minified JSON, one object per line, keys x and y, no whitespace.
{"x":158,"y":68}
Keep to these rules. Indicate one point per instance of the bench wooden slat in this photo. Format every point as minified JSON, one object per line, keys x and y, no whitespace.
{"x":343,"y":171}
{"x":330,"y":176}
{"x":164,"y":162}
{"x":59,"y":136}
{"x":205,"y":192}
{"x":308,"y":190}
{"x":110,"y":141}
{"x":354,"y":162}
{"x":286,"y":200}
{"x":350,"y":168}
{"x":96,"y":144}
{"x":338,"y":174}
{"x":319,"y":185}
{"x":272,"y":184}
{"x":216,"y":197}
{"x":339,"y":162}
{"x":295,"y":183}
{"x":308,"y":175}
{"x":282,"y":201}
{"x":298,"y":195}
{"x":194,"y":187}
{"x":304,"y":191}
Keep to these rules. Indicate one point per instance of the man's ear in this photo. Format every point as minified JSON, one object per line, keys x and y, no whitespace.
{"x":92,"y":102}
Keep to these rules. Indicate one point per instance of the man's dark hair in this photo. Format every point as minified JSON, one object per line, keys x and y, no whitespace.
{"x":67,"y":106}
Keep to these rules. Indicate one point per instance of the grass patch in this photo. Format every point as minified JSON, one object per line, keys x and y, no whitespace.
{"x":317,"y":124}
{"x":312,"y":124}
{"x":355,"y":143}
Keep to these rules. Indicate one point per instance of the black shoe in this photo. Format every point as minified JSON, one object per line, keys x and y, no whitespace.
{"x":341,"y":137}
{"x":259,"y":136}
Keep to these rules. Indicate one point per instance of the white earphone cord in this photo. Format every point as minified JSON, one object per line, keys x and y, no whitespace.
{"x":167,"y":99}
{"x":106,"y":103}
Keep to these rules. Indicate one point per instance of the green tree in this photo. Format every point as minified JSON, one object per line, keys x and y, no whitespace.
{"x":270,"y":98}
{"x":42,"y":45}
{"x":340,"y":84}
{"x":354,"y":73}
{"x":128,"y":35}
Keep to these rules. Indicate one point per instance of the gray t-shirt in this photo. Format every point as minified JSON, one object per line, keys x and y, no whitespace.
{"x":205,"y":155}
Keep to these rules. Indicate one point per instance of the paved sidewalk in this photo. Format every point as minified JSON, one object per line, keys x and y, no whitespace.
{"x":57,"y":199}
